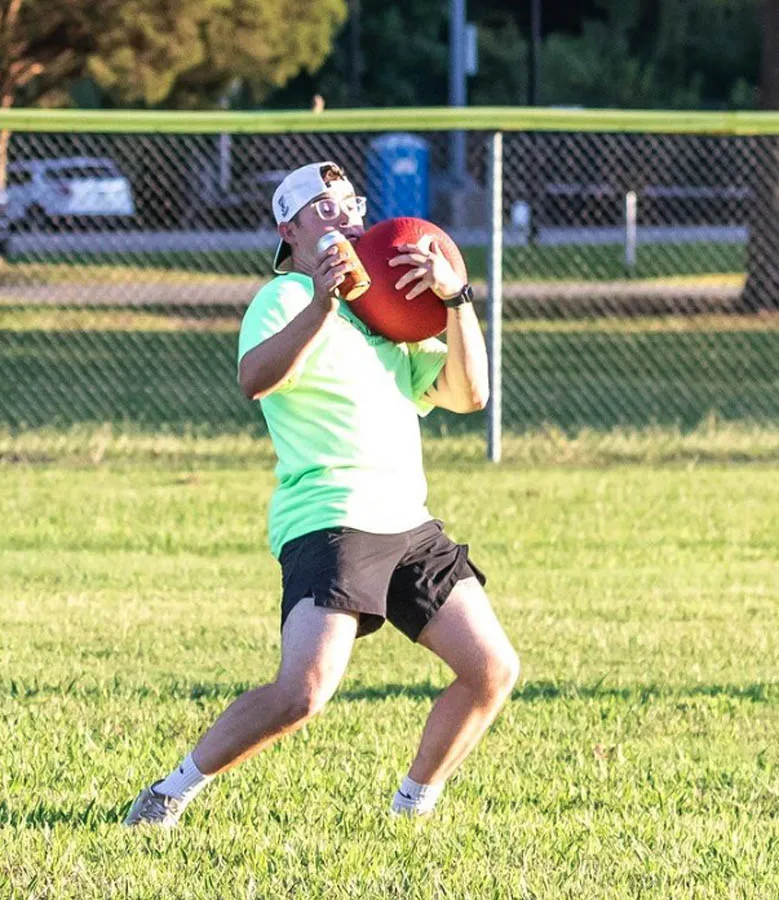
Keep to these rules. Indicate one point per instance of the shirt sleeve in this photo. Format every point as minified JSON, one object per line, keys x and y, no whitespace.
{"x":274,"y":307}
{"x":427,"y":359}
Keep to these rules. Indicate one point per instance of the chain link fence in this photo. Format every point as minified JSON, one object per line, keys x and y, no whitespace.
{"x":129,"y":259}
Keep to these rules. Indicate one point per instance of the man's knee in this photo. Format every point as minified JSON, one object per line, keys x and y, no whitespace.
{"x":300,"y":702}
{"x":498,"y":675}
{"x":316,"y":644}
{"x":512,"y":669}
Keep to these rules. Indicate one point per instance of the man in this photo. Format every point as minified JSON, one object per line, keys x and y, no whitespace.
{"x":348,"y":521}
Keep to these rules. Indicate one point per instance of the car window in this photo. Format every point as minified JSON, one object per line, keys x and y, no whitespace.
{"x":72,"y":172}
{"x":18,"y":178}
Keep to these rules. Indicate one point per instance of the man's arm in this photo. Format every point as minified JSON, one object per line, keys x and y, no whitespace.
{"x":272,"y":362}
{"x":462,"y":385}
{"x":263,"y":368}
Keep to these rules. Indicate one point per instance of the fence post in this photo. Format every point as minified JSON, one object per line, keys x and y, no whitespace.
{"x":631,"y":233}
{"x":495,"y":292}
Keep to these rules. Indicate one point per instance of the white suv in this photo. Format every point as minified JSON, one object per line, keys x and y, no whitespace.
{"x":41,"y":190}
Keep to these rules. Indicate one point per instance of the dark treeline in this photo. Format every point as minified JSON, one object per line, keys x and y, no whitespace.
{"x":701,"y":54}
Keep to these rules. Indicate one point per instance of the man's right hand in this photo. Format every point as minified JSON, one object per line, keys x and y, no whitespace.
{"x":330,"y":270}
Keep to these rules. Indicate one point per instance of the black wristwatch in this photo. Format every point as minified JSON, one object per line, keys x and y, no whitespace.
{"x":465,"y":296}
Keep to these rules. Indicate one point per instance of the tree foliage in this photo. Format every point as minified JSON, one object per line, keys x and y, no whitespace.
{"x":42,"y":46}
{"x":623,"y":53}
{"x":404,"y":59}
{"x":700,"y":54}
{"x":157,"y":52}
{"x":186,"y":55}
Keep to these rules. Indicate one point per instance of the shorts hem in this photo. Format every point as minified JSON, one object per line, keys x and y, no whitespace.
{"x":445,"y":589}
{"x":368,"y":620}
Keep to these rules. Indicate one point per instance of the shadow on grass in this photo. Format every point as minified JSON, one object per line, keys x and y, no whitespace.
{"x":529,"y":692}
{"x":534,"y":691}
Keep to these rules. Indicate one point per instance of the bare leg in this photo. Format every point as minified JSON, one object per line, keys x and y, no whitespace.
{"x":467,"y":636}
{"x":315,"y":647}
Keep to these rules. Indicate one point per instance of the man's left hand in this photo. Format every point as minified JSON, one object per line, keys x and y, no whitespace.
{"x":431,"y":269}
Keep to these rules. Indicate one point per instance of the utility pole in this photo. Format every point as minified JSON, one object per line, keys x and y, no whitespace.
{"x":457,"y":93}
{"x":533,"y":85}
{"x":355,"y":53}
{"x":534,"y":59}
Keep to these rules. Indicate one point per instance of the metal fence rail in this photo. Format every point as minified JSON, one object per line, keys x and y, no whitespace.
{"x":613,"y":261}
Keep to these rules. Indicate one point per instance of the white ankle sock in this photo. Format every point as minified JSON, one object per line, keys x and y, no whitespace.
{"x":413,"y":798}
{"x":185,"y":782}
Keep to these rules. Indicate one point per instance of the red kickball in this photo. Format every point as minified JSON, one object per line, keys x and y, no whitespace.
{"x":386,"y":310}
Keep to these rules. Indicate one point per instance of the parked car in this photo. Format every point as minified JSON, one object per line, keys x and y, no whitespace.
{"x":5,"y":223}
{"x":67,"y":188}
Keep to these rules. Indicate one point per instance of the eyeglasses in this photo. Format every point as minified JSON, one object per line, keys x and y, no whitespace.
{"x":329,"y":208}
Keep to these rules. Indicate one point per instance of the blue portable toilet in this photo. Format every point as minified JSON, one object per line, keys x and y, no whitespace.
{"x":398,"y":182}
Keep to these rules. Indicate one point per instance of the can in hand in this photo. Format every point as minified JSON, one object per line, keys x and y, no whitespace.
{"x":357,"y":281}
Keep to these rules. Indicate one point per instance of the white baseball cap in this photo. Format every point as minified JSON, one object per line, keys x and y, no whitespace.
{"x":298,"y":189}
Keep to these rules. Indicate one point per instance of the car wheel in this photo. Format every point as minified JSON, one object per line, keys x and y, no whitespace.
{"x":36,"y":218}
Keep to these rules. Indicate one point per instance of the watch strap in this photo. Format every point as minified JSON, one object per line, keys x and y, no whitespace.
{"x":460,"y":299}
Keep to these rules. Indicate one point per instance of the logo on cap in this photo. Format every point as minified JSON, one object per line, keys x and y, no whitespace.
{"x":283,"y":205}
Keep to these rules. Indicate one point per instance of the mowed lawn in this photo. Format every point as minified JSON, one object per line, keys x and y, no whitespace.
{"x":174,"y":373}
{"x":638,"y":756}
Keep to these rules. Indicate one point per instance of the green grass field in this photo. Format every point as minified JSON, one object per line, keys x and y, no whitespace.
{"x":584,"y":262}
{"x":638,"y":756}
{"x":176,"y":372}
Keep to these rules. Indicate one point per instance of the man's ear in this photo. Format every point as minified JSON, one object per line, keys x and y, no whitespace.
{"x":287,"y":232}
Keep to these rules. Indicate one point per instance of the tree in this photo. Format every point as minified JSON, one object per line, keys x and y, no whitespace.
{"x":41,"y":46}
{"x":762,"y":285}
{"x":623,"y":53}
{"x":405,"y":52}
{"x":637,"y":54}
{"x":156,"y":53}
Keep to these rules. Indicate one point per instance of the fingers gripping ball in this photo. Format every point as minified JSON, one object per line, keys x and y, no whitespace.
{"x":385,"y":309}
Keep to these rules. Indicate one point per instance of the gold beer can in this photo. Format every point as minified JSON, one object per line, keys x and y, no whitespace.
{"x":357,"y":281}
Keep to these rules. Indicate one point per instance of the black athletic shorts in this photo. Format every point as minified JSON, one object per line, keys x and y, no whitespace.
{"x":403,"y":577}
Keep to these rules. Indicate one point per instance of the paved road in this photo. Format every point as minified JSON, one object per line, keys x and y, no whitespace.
{"x":237,"y":291}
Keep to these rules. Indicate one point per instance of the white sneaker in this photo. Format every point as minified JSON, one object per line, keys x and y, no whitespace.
{"x":403,"y":805}
{"x":153,"y":808}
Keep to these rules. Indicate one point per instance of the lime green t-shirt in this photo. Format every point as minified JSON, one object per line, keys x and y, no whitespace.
{"x":345,"y":426}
